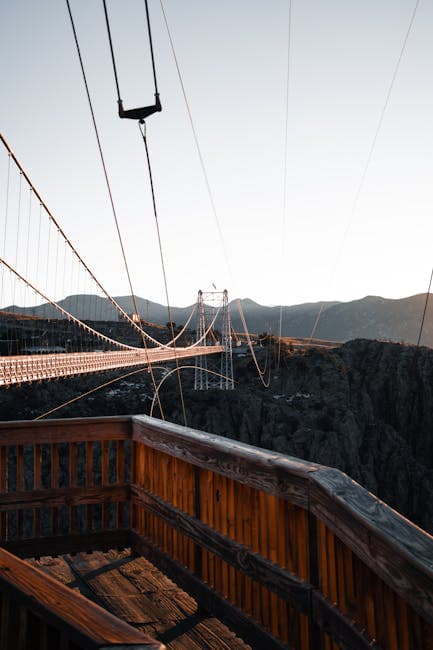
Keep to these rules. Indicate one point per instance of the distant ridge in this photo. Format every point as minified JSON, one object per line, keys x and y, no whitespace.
{"x":372,"y":317}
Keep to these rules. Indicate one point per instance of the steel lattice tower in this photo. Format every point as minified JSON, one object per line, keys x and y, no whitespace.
{"x":214,"y":327}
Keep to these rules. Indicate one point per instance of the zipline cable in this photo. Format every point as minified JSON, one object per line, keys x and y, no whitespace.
{"x":108,"y":182}
{"x":367,"y":163}
{"x":142,"y":128}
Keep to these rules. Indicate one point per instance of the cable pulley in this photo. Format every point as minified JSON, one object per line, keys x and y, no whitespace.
{"x":145,"y":111}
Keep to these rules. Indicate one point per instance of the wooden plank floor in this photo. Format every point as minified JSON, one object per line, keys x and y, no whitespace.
{"x":136,"y":591}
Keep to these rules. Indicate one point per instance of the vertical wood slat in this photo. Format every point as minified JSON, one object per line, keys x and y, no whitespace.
{"x":231,"y":533}
{"x":120,"y":479}
{"x":22,"y":629}
{"x":54,"y":481}
{"x":4,"y":618}
{"x":104,"y":480}
{"x":89,"y":483}
{"x":262,"y":549}
{"x":37,"y":483}
{"x":3,"y":488}
{"x":20,"y":486}
{"x":72,"y":476}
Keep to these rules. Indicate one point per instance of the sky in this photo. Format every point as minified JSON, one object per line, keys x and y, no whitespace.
{"x":233,"y":57}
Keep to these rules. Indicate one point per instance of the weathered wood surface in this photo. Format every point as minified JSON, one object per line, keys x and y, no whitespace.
{"x":302,"y":595}
{"x":86,"y":624}
{"x":282,"y":582}
{"x":272,"y":472}
{"x":26,"y":432}
{"x":134,"y":590}
{"x":73,"y":496}
{"x":396,"y":550}
{"x":209,"y":599}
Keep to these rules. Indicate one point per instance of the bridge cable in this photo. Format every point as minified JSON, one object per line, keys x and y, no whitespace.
{"x":92,"y":390}
{"x":142,"y":128}
{"x":114,"y":211}
{"x":43,"y":205}
{"x":107,"y":181}
{"x":6,"y":213}
{"x":283,"y":224}
{"x":207,"y":183}
{"x":425,"y":310}
{"x":191,"y":367}
{"x":68,"y":242}
{"x":196,"y":140}
{"x":71,"y":317}
{"x":368,"y":161}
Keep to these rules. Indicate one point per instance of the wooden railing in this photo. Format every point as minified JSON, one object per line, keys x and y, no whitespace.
{"x":39,"y":613}
{"x":289,"y":553}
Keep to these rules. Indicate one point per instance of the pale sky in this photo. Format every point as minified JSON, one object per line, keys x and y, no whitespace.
{"x":233,"y":56}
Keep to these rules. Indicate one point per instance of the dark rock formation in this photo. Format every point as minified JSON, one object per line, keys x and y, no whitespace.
{"x":365,"y":408}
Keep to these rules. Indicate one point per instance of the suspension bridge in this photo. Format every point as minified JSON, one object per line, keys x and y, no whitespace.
{"x":37,"y":253}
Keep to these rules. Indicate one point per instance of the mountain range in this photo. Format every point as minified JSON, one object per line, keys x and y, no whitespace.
{"x":371,"y":317}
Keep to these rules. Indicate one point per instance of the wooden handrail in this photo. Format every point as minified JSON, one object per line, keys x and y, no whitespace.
{"x":25,"y":432}
{"x":73,"y":616}
{"x":393,"y":547}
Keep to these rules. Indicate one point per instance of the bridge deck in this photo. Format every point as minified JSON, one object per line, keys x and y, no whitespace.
{"x":34,"y":367}
{"x":134,"y":590}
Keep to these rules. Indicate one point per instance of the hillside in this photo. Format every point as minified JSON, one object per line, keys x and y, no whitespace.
{"x":371,"y":317}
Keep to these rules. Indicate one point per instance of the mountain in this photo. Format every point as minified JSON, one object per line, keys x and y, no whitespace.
{"x":371,"y":317}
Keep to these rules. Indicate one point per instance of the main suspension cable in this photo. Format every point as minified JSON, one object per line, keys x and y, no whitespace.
{"x":69,"y":243}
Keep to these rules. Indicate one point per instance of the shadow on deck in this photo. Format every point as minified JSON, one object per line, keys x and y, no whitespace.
{"x":134,"y":590}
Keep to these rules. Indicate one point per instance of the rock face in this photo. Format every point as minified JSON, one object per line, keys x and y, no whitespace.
{"x":365,"y":408}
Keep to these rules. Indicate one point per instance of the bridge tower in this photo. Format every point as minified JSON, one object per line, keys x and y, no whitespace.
{"x":214,"y":328}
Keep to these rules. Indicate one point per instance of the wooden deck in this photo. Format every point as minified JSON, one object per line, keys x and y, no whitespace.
{"x":134,"y":590}
{"x":288,"y":553}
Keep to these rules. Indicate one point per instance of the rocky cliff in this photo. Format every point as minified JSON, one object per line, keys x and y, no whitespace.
{"x":365,"y":408}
